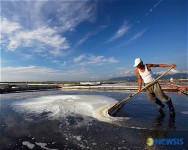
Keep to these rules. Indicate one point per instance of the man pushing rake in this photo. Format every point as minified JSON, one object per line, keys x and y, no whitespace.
{"x":152,"y":87}
{"x":154,"y":91}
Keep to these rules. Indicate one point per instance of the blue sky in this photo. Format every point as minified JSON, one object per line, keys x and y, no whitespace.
{"x":90,"y":40}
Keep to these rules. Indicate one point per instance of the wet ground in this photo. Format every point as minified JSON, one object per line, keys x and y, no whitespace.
{"x":77,"y":120}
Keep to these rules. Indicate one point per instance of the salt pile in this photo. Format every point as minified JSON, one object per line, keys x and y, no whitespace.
{"x":62,"y":106}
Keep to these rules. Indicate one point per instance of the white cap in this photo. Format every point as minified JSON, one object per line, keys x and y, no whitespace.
{"x":137,"y":61}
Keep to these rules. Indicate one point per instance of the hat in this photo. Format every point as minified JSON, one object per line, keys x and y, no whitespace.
{"x":137,"y":61}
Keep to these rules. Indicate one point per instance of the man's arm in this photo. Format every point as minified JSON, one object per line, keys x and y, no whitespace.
{"x":160,"y":65}
{"x":139,"y":80}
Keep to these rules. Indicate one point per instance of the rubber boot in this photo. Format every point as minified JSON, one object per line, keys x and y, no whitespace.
{"x":171,"y":108}
{"x":160,"y":105}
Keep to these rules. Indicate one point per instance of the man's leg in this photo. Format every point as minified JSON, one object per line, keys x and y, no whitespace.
{"x":159,"y":92}
{"x":171,"y":108}
{"x":152,"y":97}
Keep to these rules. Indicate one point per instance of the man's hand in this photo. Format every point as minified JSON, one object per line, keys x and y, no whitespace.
{"x":139,"y":89}
{"x":173,"y":65}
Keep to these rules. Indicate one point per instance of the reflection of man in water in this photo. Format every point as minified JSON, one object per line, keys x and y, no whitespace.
{"x":160,"y":123}
{"x":144,"y":73}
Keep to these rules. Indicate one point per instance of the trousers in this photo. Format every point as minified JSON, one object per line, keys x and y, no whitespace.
{"x":155,"y":91}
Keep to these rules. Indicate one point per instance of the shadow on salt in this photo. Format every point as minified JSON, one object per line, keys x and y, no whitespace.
{"x":70,"y":107}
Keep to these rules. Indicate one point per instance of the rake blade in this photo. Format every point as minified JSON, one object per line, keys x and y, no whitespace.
{"x":113,"y":110}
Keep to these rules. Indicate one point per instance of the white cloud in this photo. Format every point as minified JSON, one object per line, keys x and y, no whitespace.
{"x":41,"y":25}
{"x":134,"y":37}
{"x":173,"y":71}
{"x":87,"y":59}
{"x":64,"y":64}
{"x":112,"y":60}
{"x":34,"y":73}
{"x":137,"y":35}
{"x":79,"y":58}
{"x":84,"y":38}
{"x":65,"y":15}
{"x":7,"y":27}
{"x":73,"y":13}
{"x":153,"y":7}
{"x":122,"y":72}
{"x":120,"y":32}
{"x":26,"y":56}
{"x":81,"y":41}
{"x":42,"y":36}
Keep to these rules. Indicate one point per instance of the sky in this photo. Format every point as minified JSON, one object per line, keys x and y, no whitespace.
{"x":90,"y":40}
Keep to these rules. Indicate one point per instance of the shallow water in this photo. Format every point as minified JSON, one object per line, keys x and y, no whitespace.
{"x":79,"y":120}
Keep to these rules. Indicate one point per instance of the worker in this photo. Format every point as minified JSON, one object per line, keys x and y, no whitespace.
{"x":154,"y":92}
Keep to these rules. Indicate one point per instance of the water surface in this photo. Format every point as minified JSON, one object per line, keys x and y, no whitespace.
{"x":79,"y":120}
